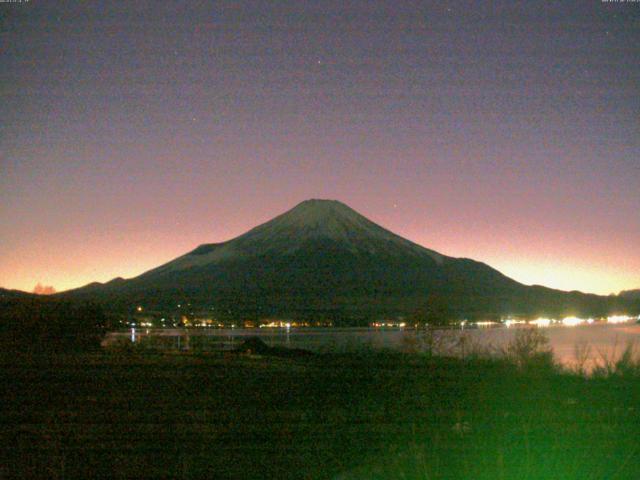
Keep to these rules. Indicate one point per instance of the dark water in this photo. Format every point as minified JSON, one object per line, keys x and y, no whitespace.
{"x":589,"y":344}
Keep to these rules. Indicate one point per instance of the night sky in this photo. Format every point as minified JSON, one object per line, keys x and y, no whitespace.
{"x":503,"y":131}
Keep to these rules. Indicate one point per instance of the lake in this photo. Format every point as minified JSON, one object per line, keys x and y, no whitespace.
{"x":588,"y":344}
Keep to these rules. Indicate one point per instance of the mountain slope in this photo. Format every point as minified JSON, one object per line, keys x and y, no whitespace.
{"x":308,"y":222}
{"x":322,"y":259}
{"x":631,"y":294}
{"x":11,"y":294}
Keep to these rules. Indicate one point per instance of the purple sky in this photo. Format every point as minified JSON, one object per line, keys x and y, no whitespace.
{"x":504,"y":131}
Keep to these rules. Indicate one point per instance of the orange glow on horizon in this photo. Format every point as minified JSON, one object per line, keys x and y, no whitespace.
{"x":130,"y":260}
{"x":598,"y":266}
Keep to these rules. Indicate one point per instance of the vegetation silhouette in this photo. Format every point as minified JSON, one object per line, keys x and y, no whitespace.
{"x":38,"y":323}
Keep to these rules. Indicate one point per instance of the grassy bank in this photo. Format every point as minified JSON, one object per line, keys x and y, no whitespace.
{"x":357,"y":415}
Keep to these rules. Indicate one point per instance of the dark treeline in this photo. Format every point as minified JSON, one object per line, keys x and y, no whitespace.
{"x":361,"y":310}
{"x":78,"y":320}
{"x":44,"y":323}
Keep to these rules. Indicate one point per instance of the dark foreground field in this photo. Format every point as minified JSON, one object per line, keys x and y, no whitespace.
{"x":368,"y":416}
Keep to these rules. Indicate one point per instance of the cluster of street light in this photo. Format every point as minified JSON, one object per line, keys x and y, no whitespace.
{"x":570,"y":321}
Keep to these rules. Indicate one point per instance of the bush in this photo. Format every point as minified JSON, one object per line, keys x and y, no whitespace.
{"x":529,"y":348}
{"x":626,"y":364}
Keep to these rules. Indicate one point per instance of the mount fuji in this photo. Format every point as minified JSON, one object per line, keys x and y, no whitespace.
{"x":324,"y":260}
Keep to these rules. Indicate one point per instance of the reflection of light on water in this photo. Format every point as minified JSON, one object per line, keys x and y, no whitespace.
{"x":133,"y":334}
{"x":572,"y":321}
{"x":509,"y":322}
{"x":541,"y":322}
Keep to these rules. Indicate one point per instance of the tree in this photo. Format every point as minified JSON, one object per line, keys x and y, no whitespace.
{"x":433,"y":310}
{"x":50,"y":324}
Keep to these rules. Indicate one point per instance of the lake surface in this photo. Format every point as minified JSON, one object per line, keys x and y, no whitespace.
{"x":588,"y":344}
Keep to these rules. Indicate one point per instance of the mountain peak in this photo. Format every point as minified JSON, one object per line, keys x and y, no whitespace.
{"x":316,"y":207}
{"x":319,"y":219}
{"x":315,"y":213}
{"x":316,"y":222}
{"x":321,"y":203}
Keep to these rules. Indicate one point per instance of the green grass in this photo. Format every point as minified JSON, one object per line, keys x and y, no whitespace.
{"x":365,"y":415}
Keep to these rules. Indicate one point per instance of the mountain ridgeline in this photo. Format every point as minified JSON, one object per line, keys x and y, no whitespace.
{"x":631,"y":294}
{"x":324,"y":261}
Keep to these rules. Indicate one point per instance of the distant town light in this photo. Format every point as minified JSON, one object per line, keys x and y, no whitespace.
{"x":139,"y":308}
{"x":510,"y":321}
{"x":391,"y":324}
{"x":485,"y":324}
{"x":541,"y":322}
{"x":572,"y":321}
{"x":618,"y":318}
